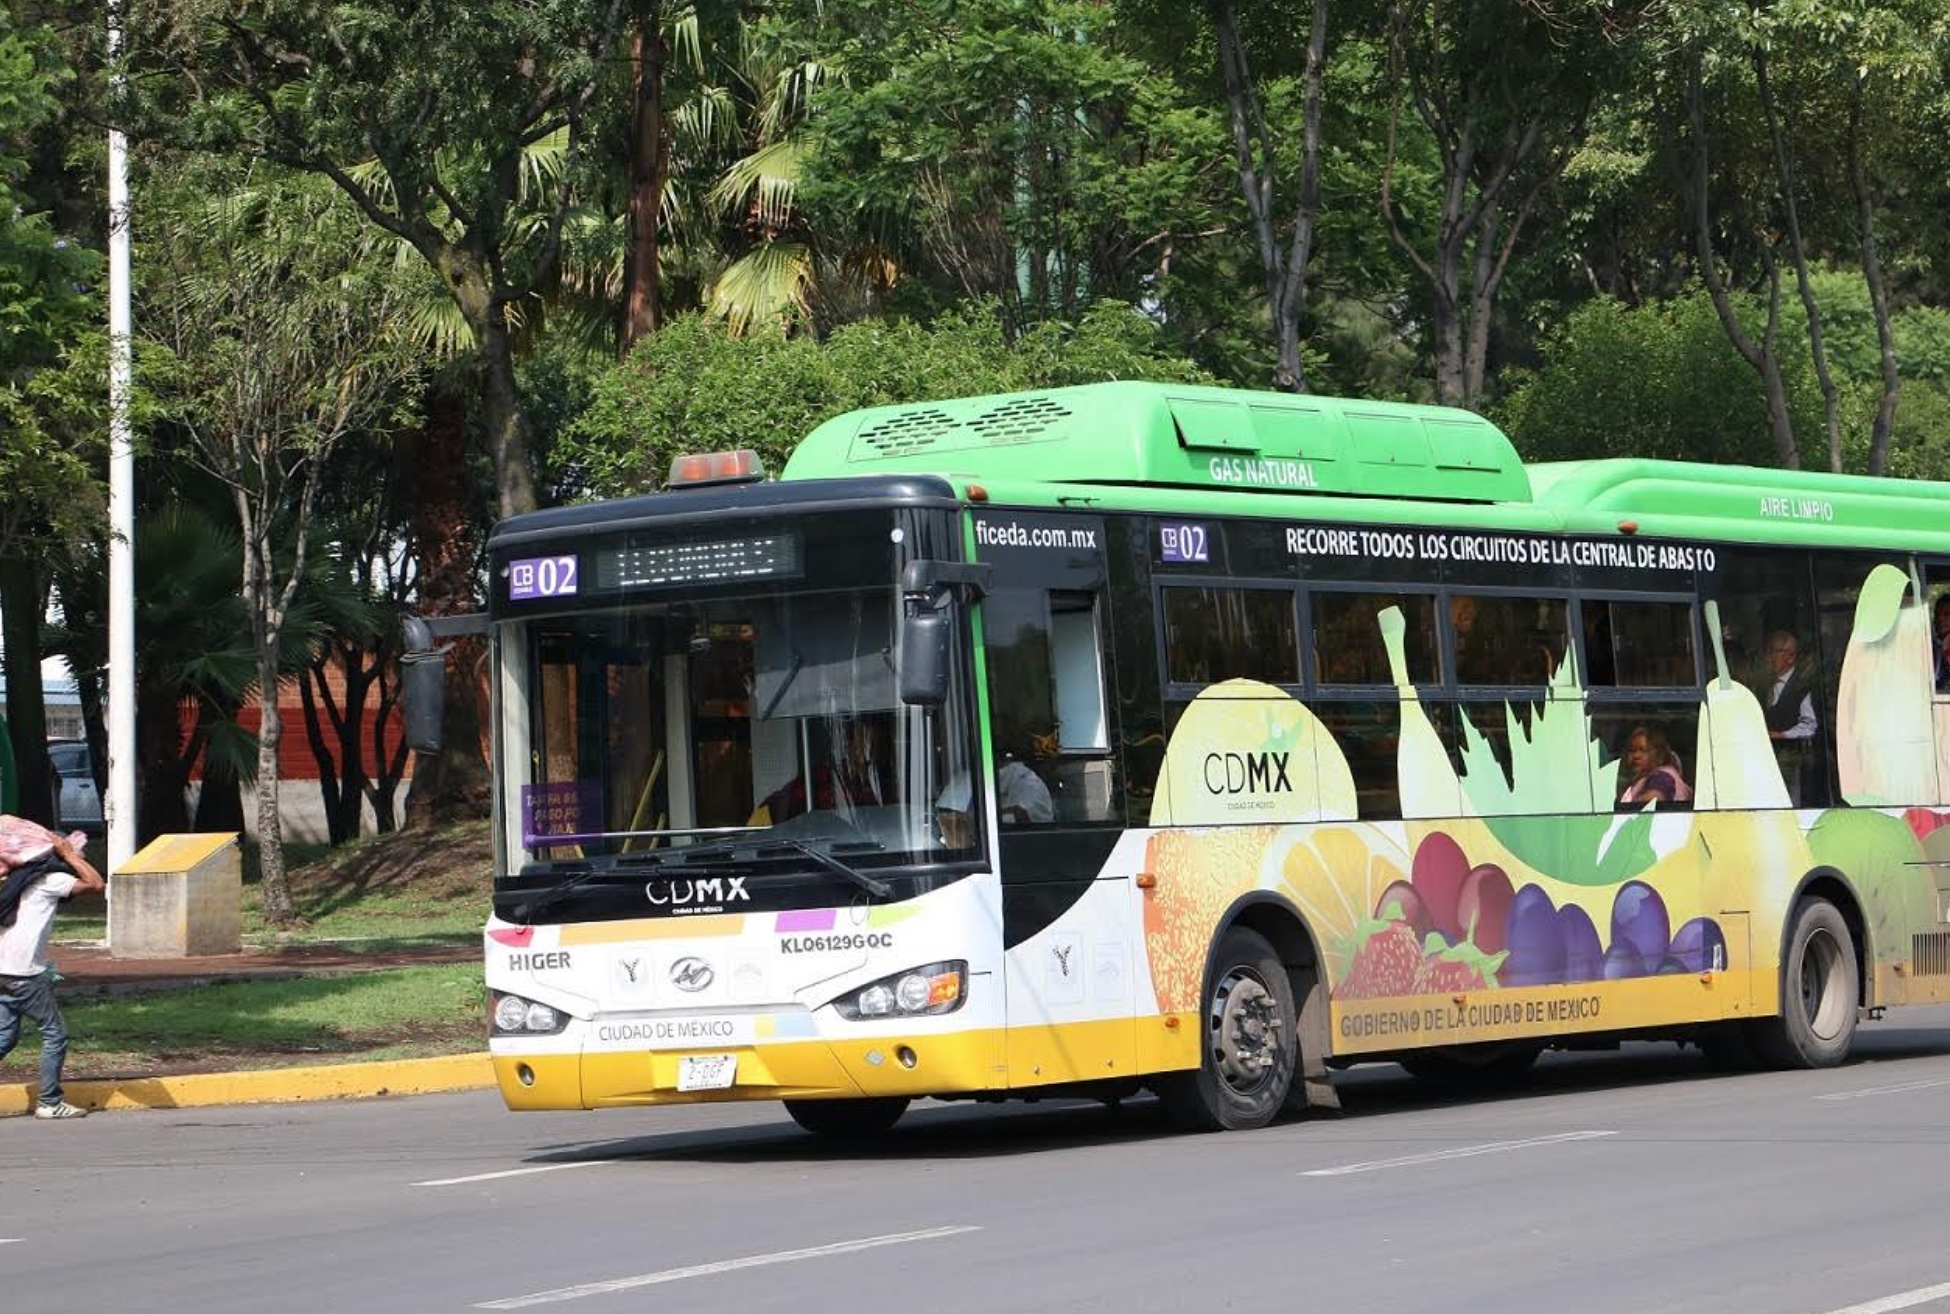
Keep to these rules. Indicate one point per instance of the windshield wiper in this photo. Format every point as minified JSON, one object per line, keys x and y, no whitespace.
{"x":877,"y":888}
{"x":554,"y":894}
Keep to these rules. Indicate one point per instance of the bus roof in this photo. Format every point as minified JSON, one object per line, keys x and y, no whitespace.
{"x":1183,"y":449}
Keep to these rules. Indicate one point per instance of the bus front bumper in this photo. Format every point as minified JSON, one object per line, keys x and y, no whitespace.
{"x":822,"y":1068}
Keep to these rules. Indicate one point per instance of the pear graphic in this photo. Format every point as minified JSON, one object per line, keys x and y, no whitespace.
{"x":1883,"y":714}
{"x":1737,"y":767}
{"x":1427,"y":781}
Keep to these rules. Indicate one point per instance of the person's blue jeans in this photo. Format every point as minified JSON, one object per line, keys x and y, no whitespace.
{"x":33,"y":997}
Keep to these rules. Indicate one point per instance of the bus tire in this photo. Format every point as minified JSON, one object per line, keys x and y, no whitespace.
{"x":1249,"y":1041}
{"x":1820,"y":993}
{"x":848,"y":1120}
{"x":1483,"y":1067}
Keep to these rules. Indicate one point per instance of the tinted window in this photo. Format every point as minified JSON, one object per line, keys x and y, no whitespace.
{"x":1502,"y":640}
{"x":1639,"y":645}
{"x":1349,"y":645}
{"x":1227,"y":634}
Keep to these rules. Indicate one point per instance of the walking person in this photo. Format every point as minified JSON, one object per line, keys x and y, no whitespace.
{"x":43,"y":869}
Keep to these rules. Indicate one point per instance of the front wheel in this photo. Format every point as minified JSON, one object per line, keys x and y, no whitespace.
{"x":847,"y":1120}
{"x":1820,"y":993}
{"x":1250,"y":1041}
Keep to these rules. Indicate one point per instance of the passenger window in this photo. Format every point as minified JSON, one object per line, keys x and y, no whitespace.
{"x":1656,"y":747}
{"x":1226,"y":634}
{"x":1348,"y":643}
{"x":1937,"y":592}
{"x":1369,"y":735}
{"x":1509,"y":755}
{"x":1639,"y":645}
{"x":1769,"y":634}
{"x":1046,"y":705}
{"x":1502,"y":640}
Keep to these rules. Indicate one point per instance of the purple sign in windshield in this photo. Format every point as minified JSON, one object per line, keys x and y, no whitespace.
{"x":541,"y":577}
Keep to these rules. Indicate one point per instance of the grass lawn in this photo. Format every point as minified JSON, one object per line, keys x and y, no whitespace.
{"x":405,"y":1012}
{"x":393,"y":891}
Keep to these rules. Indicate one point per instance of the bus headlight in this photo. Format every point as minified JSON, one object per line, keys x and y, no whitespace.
{"x":919,"y":992}
{"x":511,"y":1015}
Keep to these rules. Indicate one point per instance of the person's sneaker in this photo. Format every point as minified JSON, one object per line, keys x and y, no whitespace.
{"x":61,"y":1110}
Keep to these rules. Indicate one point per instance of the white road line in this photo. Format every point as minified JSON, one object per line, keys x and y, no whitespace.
{"x":11,"y":1240}
{"x":517,"y":1172}
{"x":1464,"y":1152}
{"x":722,"y":1266}
{"x":1901,"y":1300}
{"x":1885,"y":1090}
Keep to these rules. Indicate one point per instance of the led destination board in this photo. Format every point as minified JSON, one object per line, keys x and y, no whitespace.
{"x":761,"y":556}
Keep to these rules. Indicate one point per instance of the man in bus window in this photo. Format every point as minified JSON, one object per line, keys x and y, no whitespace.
{"x":858,"y":777}
{"x":1788,"y":699}
{"x":1021,"y":797}
{"x":1940,"y":642}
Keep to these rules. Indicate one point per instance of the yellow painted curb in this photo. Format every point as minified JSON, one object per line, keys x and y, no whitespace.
{"x":341,"y":1081}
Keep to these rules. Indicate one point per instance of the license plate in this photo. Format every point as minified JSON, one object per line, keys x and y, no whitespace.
{"x":706,"y":1071}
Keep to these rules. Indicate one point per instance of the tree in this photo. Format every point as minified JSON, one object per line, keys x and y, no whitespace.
{"x":1285,"y":270}
{"x":423,"y":115}
{"x":288,"y":347}
{"x":1502,"y":89}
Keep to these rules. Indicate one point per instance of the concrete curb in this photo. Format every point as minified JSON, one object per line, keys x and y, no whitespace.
{"x":341,"y":1081}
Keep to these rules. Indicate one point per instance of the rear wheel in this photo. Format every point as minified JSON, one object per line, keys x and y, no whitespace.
{"x":1250,"y":1042}
{"x":847,"y":1120}
{"x":1820,"y":993}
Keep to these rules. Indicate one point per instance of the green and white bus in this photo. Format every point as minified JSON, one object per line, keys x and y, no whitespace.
{"x":1134,"y":735}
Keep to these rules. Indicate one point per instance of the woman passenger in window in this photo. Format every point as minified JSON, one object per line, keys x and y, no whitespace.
{"x":1653,"y":771}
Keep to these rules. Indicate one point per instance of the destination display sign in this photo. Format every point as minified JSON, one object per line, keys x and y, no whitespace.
{"x":757,"y":556}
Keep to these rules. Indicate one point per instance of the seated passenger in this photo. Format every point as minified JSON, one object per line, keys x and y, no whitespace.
{"x":1653,"y":771}
{"x":861,"y":777}
{"x":1940,"y":642}
{"x":1021,"y":797}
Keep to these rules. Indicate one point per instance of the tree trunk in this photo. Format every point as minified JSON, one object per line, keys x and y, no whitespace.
{"x":509,"y":439}
{"x":160,"y":806}
{"x":20,"y":612}
{"x":1865,"y":218}
{"x":454,"y":782}
{"x":273,"y":886}
{"x":220,"y":802}
{"x":1797,"y":249}
{"x":641,"y":314}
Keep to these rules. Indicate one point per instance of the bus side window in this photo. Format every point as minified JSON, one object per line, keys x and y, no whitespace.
{"x":1047,"y":707}
{"x":1218,"y":634}
{"x":1768,"y":632}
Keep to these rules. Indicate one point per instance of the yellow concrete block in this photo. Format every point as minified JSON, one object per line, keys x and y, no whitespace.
{"x":182,"y":896}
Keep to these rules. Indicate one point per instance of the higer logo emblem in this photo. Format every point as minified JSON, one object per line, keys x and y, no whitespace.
{"x":712,"y":891}
{"x":692,"y":974}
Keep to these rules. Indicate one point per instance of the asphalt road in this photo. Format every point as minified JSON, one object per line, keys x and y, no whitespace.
{"x":1630,"y":1181}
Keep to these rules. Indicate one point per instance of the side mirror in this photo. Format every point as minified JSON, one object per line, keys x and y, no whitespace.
{"x":423,"y":688}
{"x":924,"y":658}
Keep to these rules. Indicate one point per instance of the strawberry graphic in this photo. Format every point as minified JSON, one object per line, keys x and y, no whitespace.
{"x":1448,"y":971}
{"x":1383,"y":961}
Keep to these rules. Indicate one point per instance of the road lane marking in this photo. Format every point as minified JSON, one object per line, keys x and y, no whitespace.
{"x":517,"y":1172}
{"x":1463,"y":1152}
{"x":11,"y":1240}
{"x":1901,"y":1300}
{"x":1903,"y":1088}
{"x":722,"y":1266}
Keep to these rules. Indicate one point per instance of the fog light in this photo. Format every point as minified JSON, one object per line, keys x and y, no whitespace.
{"x":524,"y":1074}
{"x":912,"y":992}
{"x":907,"y":1056}
{"x":510,"y":1013}
{"x":541,"y":1017}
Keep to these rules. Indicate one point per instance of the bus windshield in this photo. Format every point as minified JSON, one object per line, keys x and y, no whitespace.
{"x":671,"y":726}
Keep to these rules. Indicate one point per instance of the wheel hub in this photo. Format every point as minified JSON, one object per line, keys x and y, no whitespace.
{"x":1248,"y":1033}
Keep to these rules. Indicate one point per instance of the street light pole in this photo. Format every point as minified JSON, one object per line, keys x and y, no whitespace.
{"x":121,"y":485}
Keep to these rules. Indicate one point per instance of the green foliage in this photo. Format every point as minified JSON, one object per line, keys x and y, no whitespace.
{"x":696,"y":387}
{"x":1658,"y":380}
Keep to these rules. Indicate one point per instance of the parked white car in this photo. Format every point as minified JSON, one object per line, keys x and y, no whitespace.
{"x":77,"y":801}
